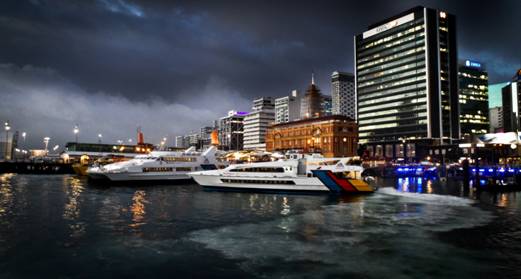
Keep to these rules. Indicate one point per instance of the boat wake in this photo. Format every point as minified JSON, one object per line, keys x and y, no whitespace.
{"x":427,"y":198}
{"x":372,"y":237}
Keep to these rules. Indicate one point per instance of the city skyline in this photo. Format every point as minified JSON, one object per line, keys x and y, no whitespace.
{"x":170,"y":68}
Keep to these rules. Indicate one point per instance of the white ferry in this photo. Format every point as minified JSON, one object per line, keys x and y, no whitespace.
{"x":159,"y":166}
{"x":311,"y":173}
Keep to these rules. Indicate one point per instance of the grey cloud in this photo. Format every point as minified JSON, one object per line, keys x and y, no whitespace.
{"x":43,"y":103}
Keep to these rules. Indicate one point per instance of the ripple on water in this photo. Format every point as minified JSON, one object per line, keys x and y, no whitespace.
{"x":389,"y":234}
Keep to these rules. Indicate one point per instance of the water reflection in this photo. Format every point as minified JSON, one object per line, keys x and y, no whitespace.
{"x":71,"y":211}
{"x":138,"y":209}
{"x":6,"y":194}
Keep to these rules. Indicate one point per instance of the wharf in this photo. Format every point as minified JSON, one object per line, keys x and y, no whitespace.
{"x":36,"y":168}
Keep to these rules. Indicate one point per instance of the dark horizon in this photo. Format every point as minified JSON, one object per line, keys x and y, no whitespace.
{"x":170,"y":68}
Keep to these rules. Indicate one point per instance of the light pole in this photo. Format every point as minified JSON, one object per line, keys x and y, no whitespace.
{"x":76,"y":132}
{"x":7,"y":128}
{"x":99,"y":138}
{"x":24,"y":135}
{"x":46,"y":142}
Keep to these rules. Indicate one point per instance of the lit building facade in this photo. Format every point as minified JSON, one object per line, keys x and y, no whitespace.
{"x":257,"y":122}
{"x":512,"y":104}
{"x":343,"y":94}
{"x":287,"y":108}
{"x":407,"y":83}
{"x":326,"y":105}
{"x":473,"y":99}
{"x":496,"y":120}
{"x":333,"y":136}
{"x":231,"y":130}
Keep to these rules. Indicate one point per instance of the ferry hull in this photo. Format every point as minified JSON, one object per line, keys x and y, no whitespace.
{"x":130,"y":177}
{"x":305,"y":184}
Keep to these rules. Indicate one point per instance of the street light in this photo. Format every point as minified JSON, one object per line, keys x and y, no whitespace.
{"x":99,"y":138}
{"x":46,"y":142}
{"x":7,"y":128}
{"x":76,"y":132}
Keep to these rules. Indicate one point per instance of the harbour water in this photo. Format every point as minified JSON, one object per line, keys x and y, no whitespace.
{"x":59,"y":226}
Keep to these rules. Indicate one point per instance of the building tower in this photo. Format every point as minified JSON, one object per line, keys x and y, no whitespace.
{"x":287,"y":108}
{"x":257,"y":122}
{"x":407,"y":83}
{"x":512,"y":104}
{"x":311,"y":103}
{"x":473,"y":99}
{"x":343,"y":94}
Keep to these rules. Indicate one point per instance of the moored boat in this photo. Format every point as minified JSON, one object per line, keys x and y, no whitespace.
{"x":308,"y":174}
{"x":158,"y":166}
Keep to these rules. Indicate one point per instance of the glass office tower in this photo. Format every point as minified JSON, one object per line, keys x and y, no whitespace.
{"x":407,"y":82}
{"x":473,"y":99}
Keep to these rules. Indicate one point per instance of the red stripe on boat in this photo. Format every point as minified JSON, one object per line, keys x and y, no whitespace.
{"x":343,"y":183}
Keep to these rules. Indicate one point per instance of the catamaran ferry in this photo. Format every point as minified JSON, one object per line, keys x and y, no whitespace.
{"x":312,"y":173}
{"x":158,"y":166}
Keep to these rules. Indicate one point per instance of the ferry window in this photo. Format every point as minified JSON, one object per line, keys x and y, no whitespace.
{"x":258,"y":169}
{"x":183,"y":169}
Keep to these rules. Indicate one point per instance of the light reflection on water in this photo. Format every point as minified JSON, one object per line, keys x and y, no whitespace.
{"x":141,"y":231}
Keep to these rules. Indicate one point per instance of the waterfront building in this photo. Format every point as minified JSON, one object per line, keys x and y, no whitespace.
{"x":231,"y":130}
{"x":333,"y":136}
{"x":256,"y":123}
{"x":6,"y":148}
{"x":287,"y":108}
{"x":496,"y":120}
{"x":181,"y":141}
{"x":495,"y":95}
{"x":407,"y":83}
{"x":473,"y":99}
{"x":205,"y":136}
{"x":311,"y":104}
{"x":512,"y":104}
{"x":343,"y":94}
{"x":326,"y":105}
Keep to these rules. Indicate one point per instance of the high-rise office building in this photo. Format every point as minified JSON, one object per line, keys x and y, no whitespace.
{"x":326,"y":105}
{"x":473,"y":99}
{"x":407,"y":83}
{"x":512,"y":104}
{"x":496,"y":120}
{"x":256,"y":123}
{"x":343,"y":94}
{"x":231,"y":130}
{"x":287,"y":108}
{"x":311,"y":105}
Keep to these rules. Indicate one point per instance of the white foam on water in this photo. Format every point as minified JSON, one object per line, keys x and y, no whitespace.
{"x":427,"y":198}
{"x":374,"y":238}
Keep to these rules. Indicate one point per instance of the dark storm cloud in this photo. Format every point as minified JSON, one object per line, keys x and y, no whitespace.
{"x":170,"y":53}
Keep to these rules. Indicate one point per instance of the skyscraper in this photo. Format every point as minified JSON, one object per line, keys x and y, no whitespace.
{"x":473,"y":99}
{"x":287,"y":108}
{"x":231,"y":130}
{"x":257,"y":122}
{"x":512,"y":104}
{"x":311,"y":102}
{"x":326,"y":105}
{"x":407,"y":83}
{"x":343,"y":94}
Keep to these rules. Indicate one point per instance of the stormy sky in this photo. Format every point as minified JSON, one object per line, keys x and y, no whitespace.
{"x":172,"y":66}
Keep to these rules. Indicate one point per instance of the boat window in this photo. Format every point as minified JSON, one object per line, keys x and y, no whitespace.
{"x":157,"y":169}
{"x":179,"y":159}
{"x":251,"y":181}
{"x":258,"y":169}
{"x":183,"y":169}
{"x":329,"y":163}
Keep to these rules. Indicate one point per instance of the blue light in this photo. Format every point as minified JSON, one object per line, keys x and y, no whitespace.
{"x":406,"y":169}
{"x":511,"y":170}
{"x":472,"y":64}
{"x":419,"y":169}
{"x":490,"y":170}
{"x":481,"y":170}
{"x":474,"y":170}
{"x":501,"y":170}
{"x":400,"y":169}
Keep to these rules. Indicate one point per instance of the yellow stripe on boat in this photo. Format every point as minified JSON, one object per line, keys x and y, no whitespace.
{"x":361,"y":185}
